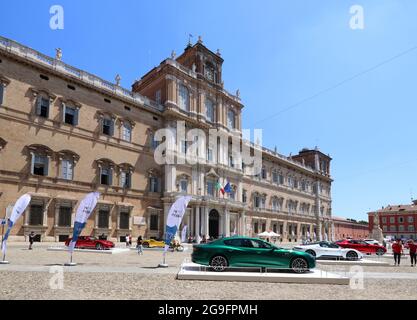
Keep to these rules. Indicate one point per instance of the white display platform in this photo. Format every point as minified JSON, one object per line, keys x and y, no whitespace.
{"x":352,"y":263}
{"x":192,"y":271}
{"x":110,"y":251}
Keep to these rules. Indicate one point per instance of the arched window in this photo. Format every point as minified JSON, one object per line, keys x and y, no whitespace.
{"x":231,"y":119}
{"x":106,"y":168}
{"x":209,"y":72}
{"x":68,"y":160}
{"x":184,"y":98}
{"x":127,"y":131}
{"x":210,"y":110}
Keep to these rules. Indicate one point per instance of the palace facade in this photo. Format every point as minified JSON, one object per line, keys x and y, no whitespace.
{"x":65,"y":132}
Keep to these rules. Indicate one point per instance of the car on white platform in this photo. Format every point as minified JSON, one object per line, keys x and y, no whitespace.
{"x":329,"y":250}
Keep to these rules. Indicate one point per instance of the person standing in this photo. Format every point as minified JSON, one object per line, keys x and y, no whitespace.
{"x":413,"y":255}
{"x":397,"y":249}
{"x":31,"y":239}
{"x":139,"y":245}
{"x":127,"y":240}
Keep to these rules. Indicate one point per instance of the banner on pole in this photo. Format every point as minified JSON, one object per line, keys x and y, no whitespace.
{"x":86,"y":207}
{"x":175,"y":215}
{"x":17,"y":211}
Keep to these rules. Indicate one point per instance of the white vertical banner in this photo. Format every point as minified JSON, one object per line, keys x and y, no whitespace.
{"x":17,"y":211}
{"x":175,"y":215}
{"x":184,"y":234}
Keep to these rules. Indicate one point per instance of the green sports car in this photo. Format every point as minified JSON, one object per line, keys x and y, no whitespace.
{"x":250,"y":252}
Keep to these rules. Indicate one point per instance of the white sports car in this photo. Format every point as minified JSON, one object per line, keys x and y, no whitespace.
{"x":329,"y":250}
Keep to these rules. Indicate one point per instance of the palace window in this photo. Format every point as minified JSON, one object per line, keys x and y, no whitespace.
{"x":184,"y":98}
{"x":183,"y":185}
{"x":154,"y":143}
{"x":42,"y":106}
{"x":107,"y":126}
{"x":154,"y":222}
{"x":274,"y":176}
{"x":410,"y":219}
{"x":232,"y":194}
{"x":392,"y":220}
{"x":36,"y":215}
{"x":70,"y":115}
{"x":244,"y":196}
{"x":411,"y":228}
{"x":401,"y":219}
{"x":257,"y":201}
{"x":103,"y":218}
{"x":126,"y":179}
{"x":105,"y":171}
{"x":127,"y":131}
{"x":158,"y":96}
{"x":209,"y":72}
{"x":40,"y":164}
{"x":231,"y":119}
{"x":209,"y":155}
{"x":153,"y":184}
{"x":210,"y":110}
{"x":263,"y":173}
{"x":256,"y":227}
{"x":64,"y":217}
{"x":384,"y":219}
{"x":281,"y":179}
{"x":67,"y":166}
{"x":124,"y":220}
{"x":211,"y":188}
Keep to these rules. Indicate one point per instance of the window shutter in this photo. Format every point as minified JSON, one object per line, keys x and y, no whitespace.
{"x":129,"y":180}
{"x":64,"y":108}
{"x":76,"y":116}
{"x":64,"y":169}
{"x":1,"y":93}
{"x":112,"y":127}
{"x":110,"y":176}
{"x":38,"y":105}
{"x":121,"y":179}
{"x":32,"y":166}
{"x":70,"y":170}
{"x":46,"y":166}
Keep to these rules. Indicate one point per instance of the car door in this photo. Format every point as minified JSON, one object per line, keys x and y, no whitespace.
{"x":89,"y":243}
{"x":331,"y":250}
{"x":239,"y":252}
{"x":267,"y":255}
{"x":366,"y":247}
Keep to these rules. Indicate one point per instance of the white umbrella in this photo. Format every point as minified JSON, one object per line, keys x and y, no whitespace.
{"x":264,"y":234}
{"x":273,"y":234}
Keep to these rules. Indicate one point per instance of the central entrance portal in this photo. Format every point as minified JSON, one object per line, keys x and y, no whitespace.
{"x":214,"y":218}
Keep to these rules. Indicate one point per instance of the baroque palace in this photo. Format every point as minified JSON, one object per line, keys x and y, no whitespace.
{"x":65,"y":132}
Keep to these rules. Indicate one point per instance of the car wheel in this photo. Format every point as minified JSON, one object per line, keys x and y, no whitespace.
{"x":380,"y":252}
{"x":352,"y":255}
{"x":219,"y":263}
{"x":313,"y":253}
{"x":99,"y":246}
{"x":145,"y":244}
{"x":299,"y":265}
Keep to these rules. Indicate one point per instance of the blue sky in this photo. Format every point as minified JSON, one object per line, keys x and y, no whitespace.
{"x":277,"y":53}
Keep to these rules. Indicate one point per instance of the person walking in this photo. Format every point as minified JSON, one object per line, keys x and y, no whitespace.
{"x":397,"y":249}
{"x":139,"y":245}
{"x":413,"y":255}
{"x":127,"y":240}
{"x":31,"y":239}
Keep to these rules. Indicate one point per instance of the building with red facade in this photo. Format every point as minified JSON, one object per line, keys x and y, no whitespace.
{"x":345,"y":228}
{"x":398,"y":221}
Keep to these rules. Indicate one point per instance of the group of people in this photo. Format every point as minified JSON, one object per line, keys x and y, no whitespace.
{"x":398,"y":250}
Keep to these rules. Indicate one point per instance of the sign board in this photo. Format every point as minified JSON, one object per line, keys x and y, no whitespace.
{"x":139,"y":221}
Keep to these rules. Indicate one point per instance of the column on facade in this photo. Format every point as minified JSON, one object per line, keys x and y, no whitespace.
{"x":299,"y":231}
{"x":170,"y":177}
{"x":166,"y":211}
{"x":226,"y":230}
{"x":197,"y":230}
{"x":285,"y":231}
{"x":205,"y":222}
{"x":171,"y":90}
{"x":242,"y":224}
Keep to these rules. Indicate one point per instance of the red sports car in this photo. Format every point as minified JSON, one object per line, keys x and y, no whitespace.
{"x":362,"y":246}
{"x":86,"y":242}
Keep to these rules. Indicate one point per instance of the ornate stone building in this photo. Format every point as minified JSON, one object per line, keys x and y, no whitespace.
{"x":65,"y":132}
